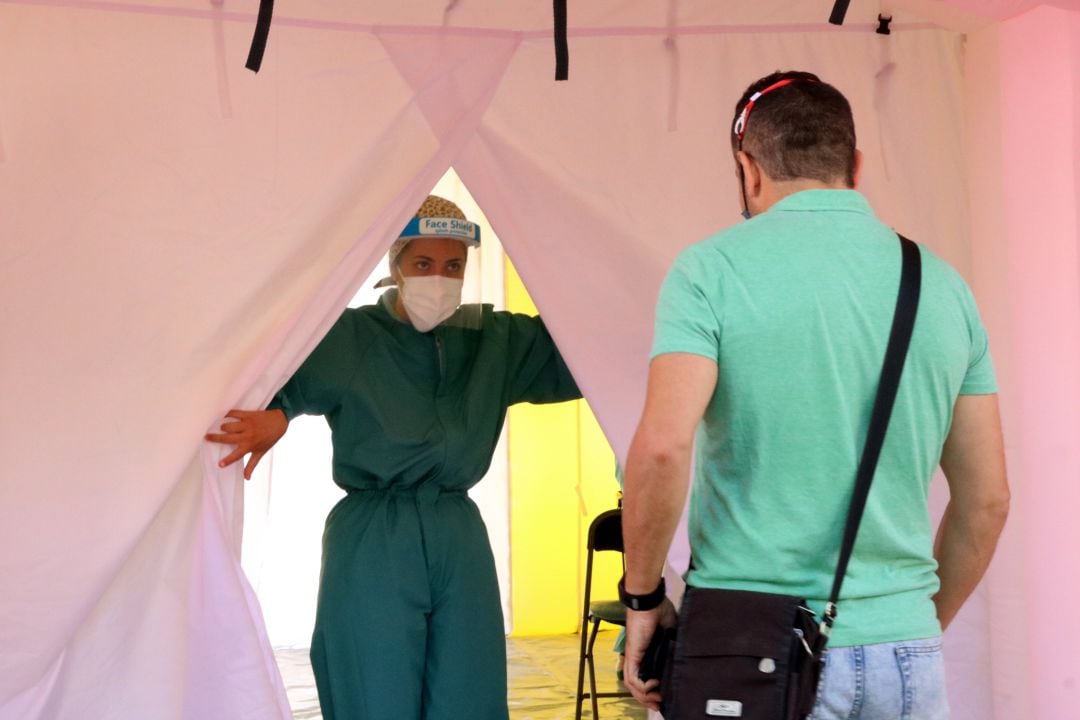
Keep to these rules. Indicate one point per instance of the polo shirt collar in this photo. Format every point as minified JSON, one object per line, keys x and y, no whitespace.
{"x":824,"y":200}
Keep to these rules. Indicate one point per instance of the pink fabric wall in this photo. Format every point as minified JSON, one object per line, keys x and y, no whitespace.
{"x":1024,"y":123}
{"x":176,"y":234}
{"x":1005,"y":9}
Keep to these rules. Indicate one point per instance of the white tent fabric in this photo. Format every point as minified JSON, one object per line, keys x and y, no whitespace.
{"x":176,"y":234}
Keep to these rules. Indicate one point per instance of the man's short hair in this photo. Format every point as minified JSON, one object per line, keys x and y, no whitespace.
{"x":801,"y":130}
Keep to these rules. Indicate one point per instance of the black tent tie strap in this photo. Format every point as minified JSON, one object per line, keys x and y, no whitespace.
{"x":907,"y":306}
{"x":562,"y":47}
{"x":839,"y":12}
{"x":671,"y":45}
{"x":266,"y":15}
{"x":451,"y":6}
{"x":262,"y":32}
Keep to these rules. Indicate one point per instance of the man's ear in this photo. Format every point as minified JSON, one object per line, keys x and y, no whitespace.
{"x":856,"y":172}
{"x":751,"y":173}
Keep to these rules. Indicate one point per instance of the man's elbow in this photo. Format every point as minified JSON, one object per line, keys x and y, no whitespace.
{"x":998,"y":506}
{"x":993,"y":505}
{"x":660,"y":448}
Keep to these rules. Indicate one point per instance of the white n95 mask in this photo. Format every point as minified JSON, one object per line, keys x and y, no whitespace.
{"x":430,"y":299}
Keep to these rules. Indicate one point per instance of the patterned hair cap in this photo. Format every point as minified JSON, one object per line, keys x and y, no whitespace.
{"x":436,"y":206}
{"x":433,"y":207}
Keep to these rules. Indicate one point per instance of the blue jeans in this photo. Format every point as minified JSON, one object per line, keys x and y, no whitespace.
{"x":889,"y":681}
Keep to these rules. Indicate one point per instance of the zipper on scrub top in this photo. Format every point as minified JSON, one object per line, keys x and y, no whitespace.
{"x":439,"y":353}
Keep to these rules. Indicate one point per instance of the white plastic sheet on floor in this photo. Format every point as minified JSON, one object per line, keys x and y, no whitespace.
{"x":176,"y":233}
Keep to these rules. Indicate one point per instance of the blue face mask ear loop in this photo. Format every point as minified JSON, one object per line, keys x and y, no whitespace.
{"x":742,"y":182}
{"x":742,"y":185}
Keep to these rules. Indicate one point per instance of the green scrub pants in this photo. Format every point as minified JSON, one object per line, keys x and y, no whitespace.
{"x":409,"y":623}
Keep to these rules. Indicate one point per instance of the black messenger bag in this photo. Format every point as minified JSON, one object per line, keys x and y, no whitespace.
{"x":758,"y":656}
{"x":743,"y":654}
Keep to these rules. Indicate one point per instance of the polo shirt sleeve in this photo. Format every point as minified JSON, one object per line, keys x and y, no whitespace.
{"x":686,"y":316}
{"x":980,"y":378}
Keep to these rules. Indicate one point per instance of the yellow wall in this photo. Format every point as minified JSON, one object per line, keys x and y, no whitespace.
{"x":561,"y":477}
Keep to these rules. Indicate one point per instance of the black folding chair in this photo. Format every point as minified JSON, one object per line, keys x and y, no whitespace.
{"x":605,"y":534}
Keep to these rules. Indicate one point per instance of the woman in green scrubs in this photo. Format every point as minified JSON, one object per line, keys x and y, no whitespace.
{"x":415,"y":390}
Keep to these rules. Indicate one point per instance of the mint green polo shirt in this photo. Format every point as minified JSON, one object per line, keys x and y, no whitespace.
{"x":795,"y":306}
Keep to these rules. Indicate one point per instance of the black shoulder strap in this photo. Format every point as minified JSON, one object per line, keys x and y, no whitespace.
{"x":907,"y":305}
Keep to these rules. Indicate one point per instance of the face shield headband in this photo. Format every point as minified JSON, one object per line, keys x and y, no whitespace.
{"x":467,"y":232}
{"x":739,"y":131}
{"x":454,"y":228}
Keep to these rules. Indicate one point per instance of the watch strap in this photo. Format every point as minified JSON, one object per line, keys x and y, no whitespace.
{"x":642,"y":602}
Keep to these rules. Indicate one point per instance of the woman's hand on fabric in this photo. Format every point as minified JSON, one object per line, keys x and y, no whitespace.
{"x":251,"y":431}
{"x":640,"y":627}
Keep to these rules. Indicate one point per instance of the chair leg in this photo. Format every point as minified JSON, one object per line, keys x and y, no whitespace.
{"x":592,"y":667}
{"x":581,"y":666}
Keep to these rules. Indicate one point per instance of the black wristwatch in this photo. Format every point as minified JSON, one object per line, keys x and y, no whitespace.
{"x":642,"y":602}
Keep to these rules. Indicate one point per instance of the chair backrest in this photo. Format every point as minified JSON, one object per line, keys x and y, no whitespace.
{"x":605,"y":532}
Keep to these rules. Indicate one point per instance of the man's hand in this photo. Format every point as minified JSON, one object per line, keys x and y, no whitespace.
{"x":253,"y":431}
{"x":640,"y":627}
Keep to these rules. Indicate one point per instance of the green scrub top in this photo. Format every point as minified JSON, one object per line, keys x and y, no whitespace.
{"x":407,"y":408}
{"x":409,"y":623}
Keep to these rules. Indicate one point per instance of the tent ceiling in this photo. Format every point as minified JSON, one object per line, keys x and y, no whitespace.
{"x":535,"y":15}
{"x":966,"y":15}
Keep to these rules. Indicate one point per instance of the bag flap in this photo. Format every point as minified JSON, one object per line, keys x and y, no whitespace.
{"x":737,"y":622}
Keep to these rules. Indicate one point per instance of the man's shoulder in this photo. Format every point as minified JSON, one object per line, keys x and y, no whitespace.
{"x":734,"y":239}
{"x":711,"y":248}
{"x":932,"y":263}
{"x":942,"y":278}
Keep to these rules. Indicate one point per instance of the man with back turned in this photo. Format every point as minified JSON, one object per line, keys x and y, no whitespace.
{"x":768,"y":345}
